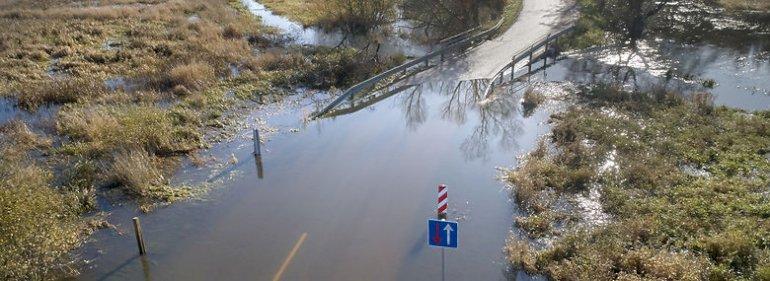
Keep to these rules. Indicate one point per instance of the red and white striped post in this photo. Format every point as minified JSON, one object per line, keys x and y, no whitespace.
{"x":443,"y":202}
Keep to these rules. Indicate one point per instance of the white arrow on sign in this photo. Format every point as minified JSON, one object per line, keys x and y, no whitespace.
{"x":448,"y":230}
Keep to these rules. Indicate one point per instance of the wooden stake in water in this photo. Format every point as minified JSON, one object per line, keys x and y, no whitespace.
{"x":257,"y":148}
{"x":260,"y":166}
{"x":139,"y":236}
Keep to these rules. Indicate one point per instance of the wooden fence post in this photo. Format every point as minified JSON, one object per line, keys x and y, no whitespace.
{"x":139,"y":236}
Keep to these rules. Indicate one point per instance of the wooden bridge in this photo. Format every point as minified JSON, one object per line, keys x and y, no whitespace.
{"x":542,"y":48}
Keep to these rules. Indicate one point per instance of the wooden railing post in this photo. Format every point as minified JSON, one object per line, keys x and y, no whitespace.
{"x":545,"y":53}
{"x":529,"y":64}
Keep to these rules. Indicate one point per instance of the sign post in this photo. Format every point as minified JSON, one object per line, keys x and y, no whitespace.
{"x":441,"y":232}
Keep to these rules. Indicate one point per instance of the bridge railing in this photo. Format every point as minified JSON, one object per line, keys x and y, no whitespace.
{"x":526,"y":54}
{"x":455,"y":43}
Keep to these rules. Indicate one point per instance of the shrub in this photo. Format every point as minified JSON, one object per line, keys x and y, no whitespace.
{"x":531,"y":100}
{"x":357,"y":16}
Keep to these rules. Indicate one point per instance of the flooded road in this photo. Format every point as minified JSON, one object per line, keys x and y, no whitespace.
{"x":347,"y":198}
{"x":359,"y":187}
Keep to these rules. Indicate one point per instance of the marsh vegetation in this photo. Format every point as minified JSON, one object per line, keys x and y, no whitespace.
{"x":651,"y":182}
{"x":137,"y":86}
{"x":682,"y":189}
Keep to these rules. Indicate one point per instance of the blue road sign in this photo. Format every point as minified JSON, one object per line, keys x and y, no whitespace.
{"x":442,"y":233}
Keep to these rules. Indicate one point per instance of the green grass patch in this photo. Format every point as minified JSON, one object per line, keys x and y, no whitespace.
{"x":39,"y":221}
{"x":305,"y":12}
{"x":750,"y":5}
{"x":511,"y":13}
{"x":688,"y":198}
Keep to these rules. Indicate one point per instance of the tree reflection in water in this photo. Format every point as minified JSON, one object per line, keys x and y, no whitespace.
{"x":494,"y":119}
{"x":414,"y":107}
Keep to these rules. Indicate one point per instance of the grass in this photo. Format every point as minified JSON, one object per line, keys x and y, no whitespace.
{"x":511,"y":13}
{"x":139,"y":84}
{"x":304,"y":12}
{"x":191,"y":77}
{"x":96,"y":131}
{"x":39,"y":222}
{"x":141,"y":174}
{"x":667,"y":223}
{"x":173,"y":55}
{"x":355,"y":16}
{"x":753,"y":5}
{"x":59,"y":92}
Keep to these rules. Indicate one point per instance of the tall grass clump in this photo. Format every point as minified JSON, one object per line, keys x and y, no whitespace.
{"x":193,"y":76}
{"x":665,"y":222}
{"x":99,"y":130}
{"x":60,"y":92}
{"x":140,"y":174}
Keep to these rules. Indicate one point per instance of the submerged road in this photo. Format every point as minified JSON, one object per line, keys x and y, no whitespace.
{"x":348,"y":198}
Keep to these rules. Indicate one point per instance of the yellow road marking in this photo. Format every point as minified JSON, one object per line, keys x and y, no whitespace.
{"x":288,"y":259}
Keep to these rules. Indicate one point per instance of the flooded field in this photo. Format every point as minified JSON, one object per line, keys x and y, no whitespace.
{"x":347,"y":197}
{"x":736,"y":77}
{"x":361,"y":186}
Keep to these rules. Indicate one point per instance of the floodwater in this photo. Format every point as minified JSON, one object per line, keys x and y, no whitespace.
{"x":391,"y":42}
{"x":741,"y":75}
{"x":360,"y":186}
{"x":9,"y":110}
{"x":347,"y":198}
